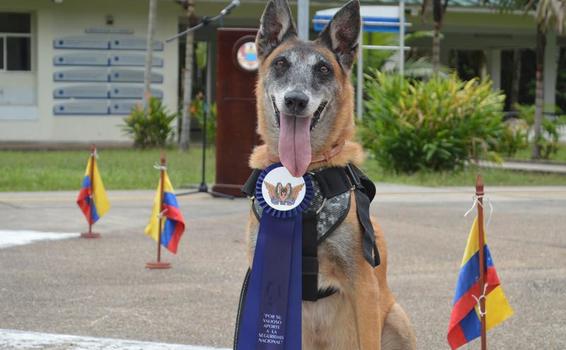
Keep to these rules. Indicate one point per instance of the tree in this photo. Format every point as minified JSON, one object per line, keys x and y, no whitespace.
{"x":149,"y":53}
{"x":515,"y":78}
{"x":184,"y":142}
{"x":550,"y":15}
{"x":438,"y":10}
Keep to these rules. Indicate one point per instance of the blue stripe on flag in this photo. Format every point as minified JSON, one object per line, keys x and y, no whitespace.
{"x":470,"y":273}
{"x":86,"y":181}
{"x":471,"y":325}
{"x":168,"y":231}
{"x":170,"y":199}
{"x":93,"y":213}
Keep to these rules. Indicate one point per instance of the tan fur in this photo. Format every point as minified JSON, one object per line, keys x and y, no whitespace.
{"x":364,"y":315}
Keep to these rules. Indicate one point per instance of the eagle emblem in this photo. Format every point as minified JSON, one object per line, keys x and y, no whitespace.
{"x":283,"y":194}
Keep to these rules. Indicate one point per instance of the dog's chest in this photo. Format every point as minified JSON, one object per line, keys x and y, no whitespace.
{"x":329,"y":212}
{"x":327,"y":324}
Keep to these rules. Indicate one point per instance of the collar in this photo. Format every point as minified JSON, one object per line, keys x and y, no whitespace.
{"x":324,"y":157}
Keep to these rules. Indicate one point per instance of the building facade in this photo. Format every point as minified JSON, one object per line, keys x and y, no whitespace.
{"x":70,"y":70}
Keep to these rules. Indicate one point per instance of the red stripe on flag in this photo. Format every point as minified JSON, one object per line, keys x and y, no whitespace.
{"x":84,"y":205}
{"x":175,"y":238}
{"x":456,"y":337}
{"x":174,"y":214}
{"x":463,"y":306}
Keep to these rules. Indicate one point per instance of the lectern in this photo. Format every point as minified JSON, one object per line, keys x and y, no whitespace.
{"x":236,"y":110}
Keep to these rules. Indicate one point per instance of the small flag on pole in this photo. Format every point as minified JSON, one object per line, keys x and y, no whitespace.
{"x":465,"y":320}
{"x":165,"y":207}
{"x":92,"y":198}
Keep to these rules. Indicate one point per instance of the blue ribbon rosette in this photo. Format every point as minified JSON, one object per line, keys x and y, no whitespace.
{"x":271,"y":318}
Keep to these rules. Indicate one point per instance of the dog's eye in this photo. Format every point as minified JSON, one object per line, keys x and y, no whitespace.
{"x":280,"y":63}
{"x":324,"y":69}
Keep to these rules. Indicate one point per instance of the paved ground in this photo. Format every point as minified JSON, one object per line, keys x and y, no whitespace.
{"x":100,"y":288}
{"x":536,"y":167}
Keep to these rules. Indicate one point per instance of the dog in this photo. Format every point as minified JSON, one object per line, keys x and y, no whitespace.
{"x":305,"y":120}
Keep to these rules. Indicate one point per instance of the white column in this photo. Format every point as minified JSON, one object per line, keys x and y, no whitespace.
{"x":303,"y":18}
{"x":550,"y":71}
{"x":494,"y":66}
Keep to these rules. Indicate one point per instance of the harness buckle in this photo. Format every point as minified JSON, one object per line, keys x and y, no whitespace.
{"x":353,"y":177}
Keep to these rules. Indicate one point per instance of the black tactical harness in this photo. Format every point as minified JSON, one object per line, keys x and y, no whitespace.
{"x":331,"y":183}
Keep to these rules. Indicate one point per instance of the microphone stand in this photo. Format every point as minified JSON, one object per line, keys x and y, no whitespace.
{"x":205,"y":21}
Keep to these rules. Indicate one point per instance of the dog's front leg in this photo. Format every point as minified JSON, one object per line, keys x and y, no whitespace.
{"x":365,"y":301}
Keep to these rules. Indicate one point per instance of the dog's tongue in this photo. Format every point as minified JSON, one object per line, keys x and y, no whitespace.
{"x":295,"y":144}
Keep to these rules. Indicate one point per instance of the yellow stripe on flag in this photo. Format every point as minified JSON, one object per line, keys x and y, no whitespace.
{"x":152,"y":228}
{"x":168,"y":186}
{"x":99,"y":192}
{"x":497,"y":308}
{"x":473,"y":244}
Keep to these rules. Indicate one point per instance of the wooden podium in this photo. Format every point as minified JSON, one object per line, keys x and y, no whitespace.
{"x":236,"y":118}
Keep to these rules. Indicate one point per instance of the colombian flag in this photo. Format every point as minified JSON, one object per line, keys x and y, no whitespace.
{"x":173,"y":223}
{"x":465,"y":324}
{"x":92,"y":198}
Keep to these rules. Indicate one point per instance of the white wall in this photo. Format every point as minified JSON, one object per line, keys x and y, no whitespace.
{"x":71,"y":18}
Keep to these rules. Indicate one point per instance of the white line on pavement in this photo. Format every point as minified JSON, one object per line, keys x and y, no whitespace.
{"x":20,"y":340}
{"x":14,"y":238}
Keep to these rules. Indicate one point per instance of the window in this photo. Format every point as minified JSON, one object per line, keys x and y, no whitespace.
{"x":15,"y":41}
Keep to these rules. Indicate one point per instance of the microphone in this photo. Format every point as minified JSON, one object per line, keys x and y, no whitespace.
{"x":233,"y":4}
{"x":207,"y":20}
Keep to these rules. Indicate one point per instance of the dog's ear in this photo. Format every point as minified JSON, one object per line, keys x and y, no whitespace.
{"x":341,"y":35}
{"x":276,"y":26}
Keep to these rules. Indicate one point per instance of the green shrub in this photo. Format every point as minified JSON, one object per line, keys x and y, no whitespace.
{"x":152,"y":128}
{"x":437,"y":124}
{"x":515,"y":137}
{"x":550,"y":136}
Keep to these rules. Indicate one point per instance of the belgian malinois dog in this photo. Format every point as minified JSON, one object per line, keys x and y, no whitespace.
{"x":306,"y":121}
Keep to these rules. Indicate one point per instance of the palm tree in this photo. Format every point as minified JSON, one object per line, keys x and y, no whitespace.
{"x":189,"y":6}
{"x":149,"y":53}
{"x":438,"y":10}
{"x":515,"y":78}
{"x":550,"y":15}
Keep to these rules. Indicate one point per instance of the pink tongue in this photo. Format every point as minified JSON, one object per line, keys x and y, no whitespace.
{"x":295,"y":144}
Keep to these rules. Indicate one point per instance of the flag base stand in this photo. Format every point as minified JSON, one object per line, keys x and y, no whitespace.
{"x":158,"y":265}
{"x":90,"y":235}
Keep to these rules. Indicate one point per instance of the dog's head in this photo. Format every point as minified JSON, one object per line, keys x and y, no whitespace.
{"x":304,"y":92}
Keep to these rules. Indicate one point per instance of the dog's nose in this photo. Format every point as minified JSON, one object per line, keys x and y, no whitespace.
{"x":296,"y":102}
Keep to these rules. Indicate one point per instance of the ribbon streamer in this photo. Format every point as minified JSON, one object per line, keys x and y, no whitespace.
{"x":477,"y":202}
{"x":271,"y":314}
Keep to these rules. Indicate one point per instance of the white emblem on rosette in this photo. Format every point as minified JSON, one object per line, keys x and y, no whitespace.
{"x":282,"y":191}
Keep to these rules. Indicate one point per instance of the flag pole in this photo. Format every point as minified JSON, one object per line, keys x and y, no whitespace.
{"x":160,"y":265}
{"x":479,"y":196}
{"x":163,"y":164}
{"x":91,"y":234}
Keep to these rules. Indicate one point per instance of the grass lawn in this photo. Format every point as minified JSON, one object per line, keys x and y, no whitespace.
{"x":559,"y":157}
{"x":133,"y":169}
{"x":120,"y":169}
